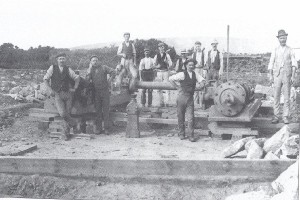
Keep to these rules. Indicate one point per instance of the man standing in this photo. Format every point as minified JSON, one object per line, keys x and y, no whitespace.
{"x":282,"y":68}
{"x":59,"y":79}
{"x":214,"y":62}
{"x":162,"y":61}
{"x":97,"y":75}
{"x":127,"y":53}
{"x":146,"y":74}
{"x":185,"y":100}
{"x":180,"y":62}
{"x":199,"y":56}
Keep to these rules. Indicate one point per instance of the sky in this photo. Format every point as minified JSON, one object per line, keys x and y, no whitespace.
{"x":71,"y":23}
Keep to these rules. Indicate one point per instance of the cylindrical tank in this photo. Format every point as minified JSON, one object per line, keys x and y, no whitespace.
{"x":231,"y":97}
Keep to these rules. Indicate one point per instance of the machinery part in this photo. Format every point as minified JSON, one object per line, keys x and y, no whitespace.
{"x":132,"y":128}
{"x":231,"y":97}
{"x":158,"y":86}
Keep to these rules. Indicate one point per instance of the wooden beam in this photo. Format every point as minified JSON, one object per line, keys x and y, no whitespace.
{"x":182,"y":169}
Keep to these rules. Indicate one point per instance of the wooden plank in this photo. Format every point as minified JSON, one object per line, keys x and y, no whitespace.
{"x":167,"y":168}
{"x":43,"y":116}
{"x":16,"y":149}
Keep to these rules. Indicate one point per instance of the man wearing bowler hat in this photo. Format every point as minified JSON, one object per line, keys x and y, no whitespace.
{"x":146,"y":74}
{"x":127,"y":52}
{"x":97,"y":75}
{"x":179,"y":67}
{"x":62,"y":83}
{"x":163,"y":62}
{"x":185,"y":99}
{"x":282,"y":68}
{"x":214,"y":62}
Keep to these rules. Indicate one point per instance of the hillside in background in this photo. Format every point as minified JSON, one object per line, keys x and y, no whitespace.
{"x":237,"y":45}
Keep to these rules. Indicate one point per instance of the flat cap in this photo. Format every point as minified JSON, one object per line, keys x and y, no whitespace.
{"x":94,"y":56}
{"x":146,"y":49}
{"x":161,"y":44}
{"x":126,"y":33}
{"x":197,"y":43}
{"x":61,"y":55}
{"x":190,"y":60}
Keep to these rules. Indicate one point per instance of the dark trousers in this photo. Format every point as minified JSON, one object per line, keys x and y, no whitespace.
{"x":185,"y":107}
{"x":212,"y":74}
{"x":147,"y":75}
{"x":102,"y":98}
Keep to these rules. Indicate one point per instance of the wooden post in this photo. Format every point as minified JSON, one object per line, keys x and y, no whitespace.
{"x":227,"y":51}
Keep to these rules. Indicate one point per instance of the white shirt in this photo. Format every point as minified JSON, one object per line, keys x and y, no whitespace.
{"x":180,"y":77}
{"x":280,"y":51}
{"x":198,"y":57}
{"x":146,"y":63}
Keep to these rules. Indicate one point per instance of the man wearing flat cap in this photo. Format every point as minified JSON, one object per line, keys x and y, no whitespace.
{"x":162,"y":62}
{"x":127,"y":52}
{"x":282,"y":68}
{"x":62,"y":83}
{"x":214,"y":62}
{"x":179,"y":67}
{"x":146,"y":74}
{"x":199,"y":56}
{"x":97,"y":76}
{"x":185,"y":100}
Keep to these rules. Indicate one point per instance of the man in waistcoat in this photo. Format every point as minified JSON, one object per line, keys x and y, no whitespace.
{"x":199,"y":56}
{"x":62,"y":83}
{"x":214,"y":62}
{"x":97,"y":75}
{"x":146,"y":74}
{"x":127,"y":52}
{"x":179,"y":67}
{"x":162,"y":62}
{"x":185,"y":99}
{"x":282,"y":68}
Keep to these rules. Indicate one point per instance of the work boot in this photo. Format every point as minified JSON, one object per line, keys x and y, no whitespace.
{"x":192,"y":139}
{"x":182,"y":137}
{"x":105,"y":132}
{"x":285,"y":120}
{"x":275,"y":120}
{"x":66,"y":137}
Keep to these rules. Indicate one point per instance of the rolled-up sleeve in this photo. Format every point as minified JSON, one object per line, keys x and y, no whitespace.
{"x":49,"y":73}
{"x":272,"y":61}
{"x":177,"y":77}
{"x":73,"y":75}
{"x":294,"y":61}
{"x":199,"y":78}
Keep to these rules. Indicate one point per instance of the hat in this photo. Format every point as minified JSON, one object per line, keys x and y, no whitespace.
{"x":161,"y":44}
{"x":93,"y":56}
{"x":214,"y":41}
{"x":190,"y":60}
{"x":126,"y":33}
{"x":197,"y":43}
{"x":61,"y":55}
{"x":146,"y":49}
{"x":183,"y":51}
{"x":281,"y":33}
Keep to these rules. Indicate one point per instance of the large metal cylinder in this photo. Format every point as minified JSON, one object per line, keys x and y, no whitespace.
{"x":157,"y":85}
{"x":231,"y":97}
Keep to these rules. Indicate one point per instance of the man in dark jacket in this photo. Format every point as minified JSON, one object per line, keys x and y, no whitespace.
{"x":97,"y":75}
{"x":60,"y":80}
{"x":214,"y":62}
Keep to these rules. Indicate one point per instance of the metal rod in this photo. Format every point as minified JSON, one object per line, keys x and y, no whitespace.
{"x":227,"y":51}
{"x":157,"y":85}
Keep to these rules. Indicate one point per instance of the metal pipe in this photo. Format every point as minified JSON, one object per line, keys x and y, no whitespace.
{"x":158,"y":85}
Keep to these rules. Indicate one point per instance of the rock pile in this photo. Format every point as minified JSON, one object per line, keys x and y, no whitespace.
{"x":282,"y":145}
{"x":285,"y":187}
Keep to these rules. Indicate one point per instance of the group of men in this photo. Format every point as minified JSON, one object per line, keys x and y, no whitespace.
{"x":190,"y":71}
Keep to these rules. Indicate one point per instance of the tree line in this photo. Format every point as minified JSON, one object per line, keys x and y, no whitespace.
{"x":41,"y":57}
